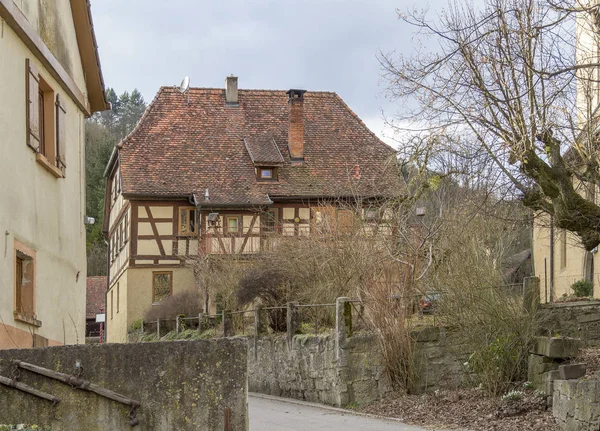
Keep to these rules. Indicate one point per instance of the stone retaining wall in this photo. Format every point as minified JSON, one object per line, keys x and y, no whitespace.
{"x":572,"y":319}
{"x":576,"y":404}
{"x":319,"y":369}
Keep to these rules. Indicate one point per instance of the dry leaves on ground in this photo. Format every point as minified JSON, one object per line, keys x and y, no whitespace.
{"x":468,"y":409}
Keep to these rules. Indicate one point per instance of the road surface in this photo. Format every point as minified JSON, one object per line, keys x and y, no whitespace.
{"x":275,"y":415}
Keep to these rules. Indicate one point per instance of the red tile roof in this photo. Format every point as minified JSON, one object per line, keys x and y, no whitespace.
{"x":96,"y":288}
{"x":182,"y":147}
{"x":264,"y":150}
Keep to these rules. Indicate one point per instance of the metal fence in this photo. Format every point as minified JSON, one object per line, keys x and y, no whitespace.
{"x":314,"y":319}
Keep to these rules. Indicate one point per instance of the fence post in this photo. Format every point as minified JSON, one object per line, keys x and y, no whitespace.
{"x":142,"y":326}
{"x":157,"y":328}
{"x":227,"y":324}
{"x":200,"y":321}
{"x":177,"y":324}
{"x":260,"y":326}
{"x":343,"y":326}
{"x":293,"y":325}
{"x":531,"y":293}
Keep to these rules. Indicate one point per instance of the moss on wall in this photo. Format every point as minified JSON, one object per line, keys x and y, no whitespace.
{"x":181,"y":385}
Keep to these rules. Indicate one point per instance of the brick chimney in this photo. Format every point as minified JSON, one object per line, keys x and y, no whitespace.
{"x":296,"y":128}
{"x":231,"y":90}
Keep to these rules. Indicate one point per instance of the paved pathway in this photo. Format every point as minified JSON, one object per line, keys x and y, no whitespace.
{"x":278,"y":414}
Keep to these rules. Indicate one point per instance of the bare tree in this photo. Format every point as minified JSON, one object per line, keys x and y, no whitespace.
{"x":505,"y":92}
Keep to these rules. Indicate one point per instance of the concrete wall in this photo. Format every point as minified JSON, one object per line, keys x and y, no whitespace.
{"x":572,"y":319}
{"x":576,"y":404}
{"x":38,"y":210}
{"x":312,"y":369}
{"x":181,"y":385}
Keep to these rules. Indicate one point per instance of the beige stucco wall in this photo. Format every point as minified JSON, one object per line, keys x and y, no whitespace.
{"x":564,"y":274}
{"x":116,"y":318}
{"x":588,"y":43}
{"x":53,"y":21}
{"x":136,"y":284}
{"x":37,"y":209}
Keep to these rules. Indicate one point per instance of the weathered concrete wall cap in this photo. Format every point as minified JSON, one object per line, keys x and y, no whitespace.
{"x":557,"y":348}
{"x":181,"y":385}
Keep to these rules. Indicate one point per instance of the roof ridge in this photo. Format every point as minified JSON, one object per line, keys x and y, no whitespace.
{"x":174,"y":88}
{"x":142,"y":118}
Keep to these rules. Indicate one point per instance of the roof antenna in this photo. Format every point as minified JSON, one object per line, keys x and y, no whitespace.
{"x":184,"y":87}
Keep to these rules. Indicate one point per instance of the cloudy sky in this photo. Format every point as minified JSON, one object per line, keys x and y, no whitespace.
{"x":269,"y":44}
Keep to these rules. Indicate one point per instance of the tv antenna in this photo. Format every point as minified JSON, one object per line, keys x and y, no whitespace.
{"x":184,"y":88}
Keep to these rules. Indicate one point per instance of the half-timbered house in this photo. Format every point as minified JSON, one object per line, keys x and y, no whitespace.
{"x":225,"y":172}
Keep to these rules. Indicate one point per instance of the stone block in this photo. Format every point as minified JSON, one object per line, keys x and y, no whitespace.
{"x":586,"y":318}
{"x":571,"y":371}
{"x":426,"y":335}
{"x":557,"y":348}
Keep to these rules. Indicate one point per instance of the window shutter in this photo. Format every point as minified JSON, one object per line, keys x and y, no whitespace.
{"x":61,"y":135}
{"x":33,"y":105}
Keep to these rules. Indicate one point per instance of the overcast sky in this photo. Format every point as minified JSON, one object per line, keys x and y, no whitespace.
{"x":326,"y":45}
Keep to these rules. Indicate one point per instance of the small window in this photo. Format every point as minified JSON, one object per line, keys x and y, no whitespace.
{"x":118,"y":296}
{"x":187,"y":221}
{"x":24,"y":281}
{"x":162,"y":286}
{"x":266,"y":174}
{"x":269,"y":221}
{"x":232,"y":224}
{"x":126,"y":228}
{"x":111,"y":303}
{"x":115,"y":187}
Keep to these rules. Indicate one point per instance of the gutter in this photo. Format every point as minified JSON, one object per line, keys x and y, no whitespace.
{"x":111,"y":161}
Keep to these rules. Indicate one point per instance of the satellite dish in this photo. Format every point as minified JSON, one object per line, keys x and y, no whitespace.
{"x":185,"y":84}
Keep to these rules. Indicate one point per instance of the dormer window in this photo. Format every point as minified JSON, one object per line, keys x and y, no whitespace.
{"x":266,"y":174}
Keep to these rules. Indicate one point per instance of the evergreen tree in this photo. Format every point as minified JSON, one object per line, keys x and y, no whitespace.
{"x":103,"y":131}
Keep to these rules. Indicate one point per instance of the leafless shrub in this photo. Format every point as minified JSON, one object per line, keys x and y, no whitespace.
{"x":187,"y":303}
{"x":490,"y":320}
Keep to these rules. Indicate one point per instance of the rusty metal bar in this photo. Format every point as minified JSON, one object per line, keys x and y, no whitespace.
{"x":227,"y":419}
{"x":77,"y":383}
{"x":314,"y":305}
{"x":23,"y":387}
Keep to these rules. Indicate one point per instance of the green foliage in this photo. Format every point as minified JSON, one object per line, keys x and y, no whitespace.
{"x":583,"y":288}
{"x":102,"y":132}
{"x":136,"y":325}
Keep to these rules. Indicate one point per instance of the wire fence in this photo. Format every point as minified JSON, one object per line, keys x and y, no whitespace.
{"x":309,"y":319}
{"x":316,"y":318}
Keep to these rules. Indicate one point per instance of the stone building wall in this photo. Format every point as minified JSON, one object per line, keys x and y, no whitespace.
{"x":572,"y":319}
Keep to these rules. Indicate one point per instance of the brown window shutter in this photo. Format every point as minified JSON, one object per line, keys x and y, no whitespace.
{"x":61,"y":135}
{"x":33,"y":105}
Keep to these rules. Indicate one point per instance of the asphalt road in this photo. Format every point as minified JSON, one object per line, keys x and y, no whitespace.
{"x":276,"y":415}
